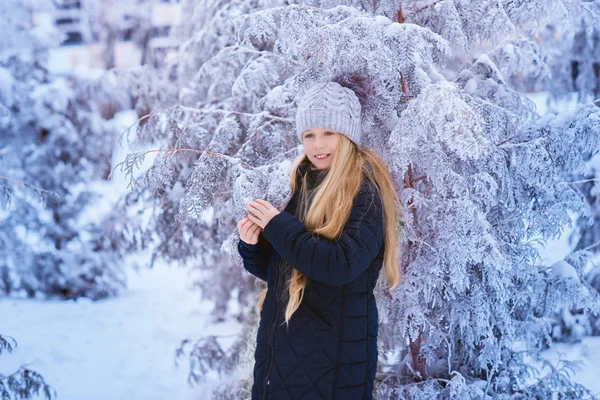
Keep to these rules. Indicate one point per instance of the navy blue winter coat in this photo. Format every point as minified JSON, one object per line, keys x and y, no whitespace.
{"x":329,"y":350}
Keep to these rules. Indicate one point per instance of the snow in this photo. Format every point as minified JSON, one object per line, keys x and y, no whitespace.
{"x":52,"y":97}
{"x":544,"y":105}
{"x":586,"y":351}
{"x":124,"y":347}
{"x":470,"y":86}
{"x":382,"y":20}
{"x":484,"y":59}
{"x":553,"y":253}
{"x":565,"y":270}
{"x":119,"y":348}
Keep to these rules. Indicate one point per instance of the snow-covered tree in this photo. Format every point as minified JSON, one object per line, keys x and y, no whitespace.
{"x":16,"y":68}
{"x":54,"y":142}
{"x":572,"y":322}
{"x":573,"y":53}
{"x":188,"y":240}
{"x":478,"y":172}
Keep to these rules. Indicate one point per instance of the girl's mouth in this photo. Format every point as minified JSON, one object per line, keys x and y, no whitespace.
{"x":322,"y":157}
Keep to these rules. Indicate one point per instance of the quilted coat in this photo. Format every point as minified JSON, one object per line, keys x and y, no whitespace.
{"x":329,"y":349}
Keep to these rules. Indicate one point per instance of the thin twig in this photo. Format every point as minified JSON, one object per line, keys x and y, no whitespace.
{"x":34,"y":188}
{"x":585,"y":180}
{"x":14,"y":180}
{"x":173,"y":151}
{"x":150,"y":114}
{"x":592,"y":245}
{"x":519,"y":217}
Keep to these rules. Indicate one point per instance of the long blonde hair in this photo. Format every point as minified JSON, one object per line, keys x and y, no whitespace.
{"x":332,"y":203}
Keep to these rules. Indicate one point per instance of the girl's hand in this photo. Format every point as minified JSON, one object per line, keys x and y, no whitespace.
{"x":248,"y":230}
{"x":261,"y":212}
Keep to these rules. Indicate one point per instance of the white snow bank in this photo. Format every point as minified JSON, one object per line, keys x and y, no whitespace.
{"x":121,"y":348}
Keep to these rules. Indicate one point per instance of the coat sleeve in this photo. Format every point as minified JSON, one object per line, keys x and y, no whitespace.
{"x":334,"y":262}
{"x":256,"y":256}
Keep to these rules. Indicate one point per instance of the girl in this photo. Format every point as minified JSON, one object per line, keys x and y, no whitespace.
{"x":321,"y":257}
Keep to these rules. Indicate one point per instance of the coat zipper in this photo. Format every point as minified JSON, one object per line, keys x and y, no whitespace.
{"x":267,"y":380}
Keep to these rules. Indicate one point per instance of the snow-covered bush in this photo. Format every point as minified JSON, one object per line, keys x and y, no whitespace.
{"x":574,"y":59}
{"x":571,"y":321}
{"x":573,"y":52}
{"x":572,"y":324}
{"x":24,"y":383}
{"x":54,"y":142}
{"x":478,"y":172}
{"x":593,"y":278}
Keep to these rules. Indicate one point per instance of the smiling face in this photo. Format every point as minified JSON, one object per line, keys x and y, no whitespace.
{"x":319,"y":146}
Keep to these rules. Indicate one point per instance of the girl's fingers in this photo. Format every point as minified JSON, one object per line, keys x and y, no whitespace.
{"x":256,"y":232}
{"x":248,"y":229}
{"x":244,"y":230}
{"x":254,"y":219}
{"x":255,"y":208}
{"x":250,"y":224}
{"x":265,"y":203}
{"x":242,"y":222}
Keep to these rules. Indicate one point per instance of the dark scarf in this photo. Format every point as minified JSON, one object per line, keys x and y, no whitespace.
{"x":313,"y":178}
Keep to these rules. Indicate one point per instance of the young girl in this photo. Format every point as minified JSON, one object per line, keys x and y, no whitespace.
{"x":321,"y":257}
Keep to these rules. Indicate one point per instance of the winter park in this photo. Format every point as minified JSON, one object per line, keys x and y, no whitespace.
{"x":299,"y":200}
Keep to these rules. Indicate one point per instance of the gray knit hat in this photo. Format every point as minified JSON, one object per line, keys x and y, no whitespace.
{"x":330,"y":105}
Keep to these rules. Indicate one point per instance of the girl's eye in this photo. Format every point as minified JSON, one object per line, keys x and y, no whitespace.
{"x":328,"y":133}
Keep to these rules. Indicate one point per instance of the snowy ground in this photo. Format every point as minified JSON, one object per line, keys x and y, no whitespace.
{"x":121,"y":348}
